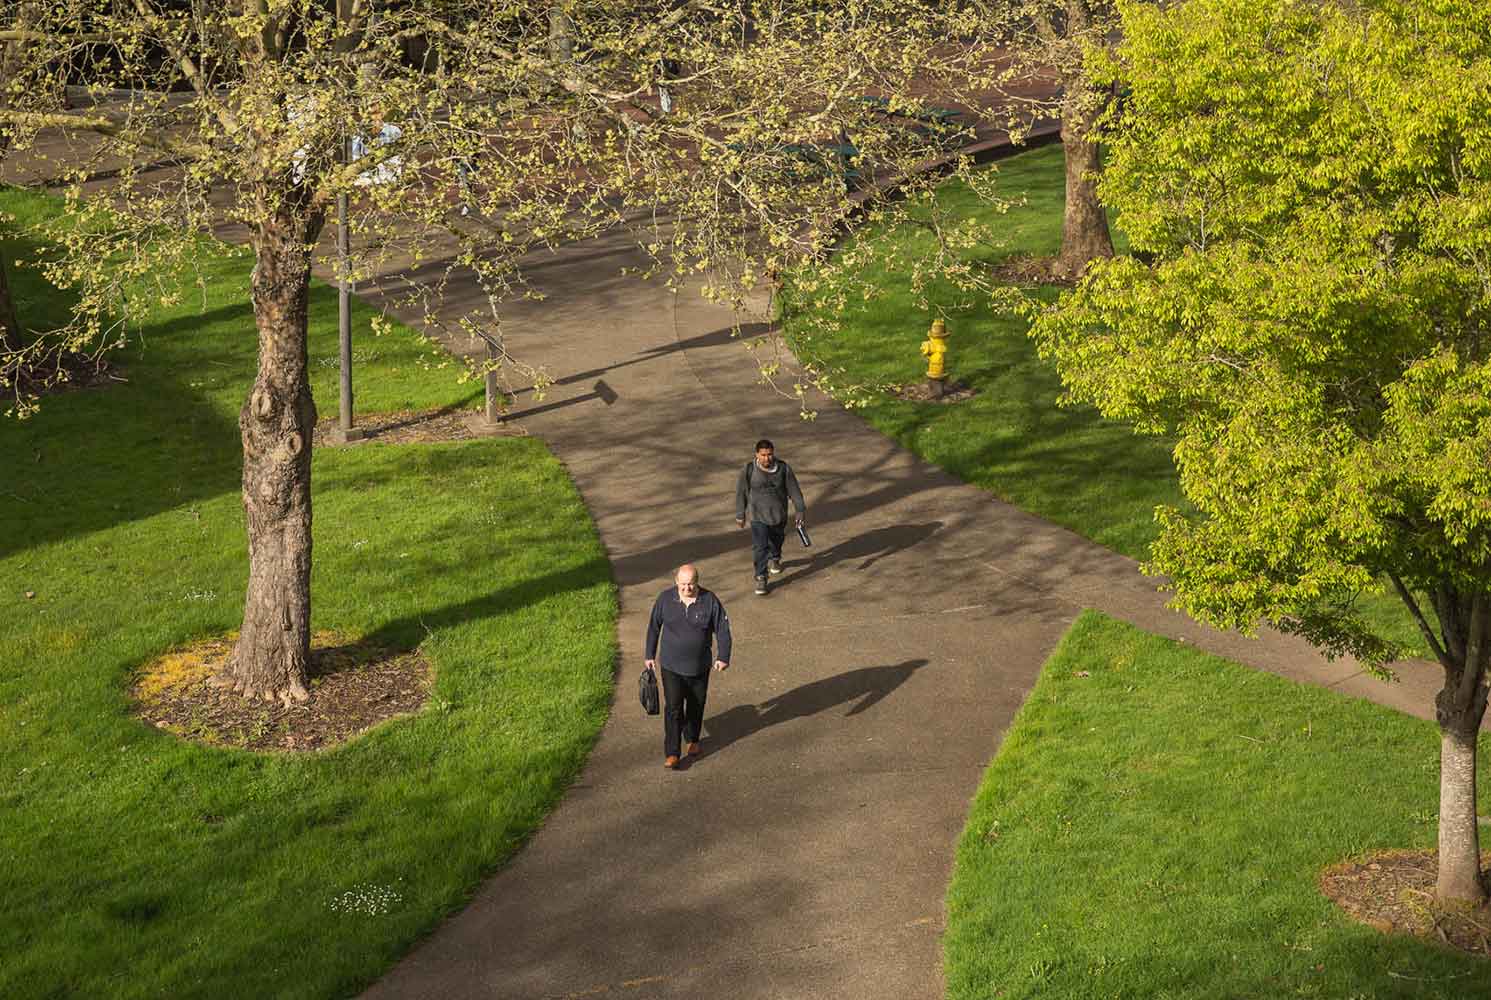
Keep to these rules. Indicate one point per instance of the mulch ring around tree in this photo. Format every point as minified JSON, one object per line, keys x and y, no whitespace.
{"x":354,"y":685}
{"x":412,"y":427}
{"x":1027,"y":271}
{"x":1393,"y":891}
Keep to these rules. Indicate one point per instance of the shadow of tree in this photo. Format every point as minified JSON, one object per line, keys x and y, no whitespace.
{"x":411,"y":630}
{"x":96,"y":458}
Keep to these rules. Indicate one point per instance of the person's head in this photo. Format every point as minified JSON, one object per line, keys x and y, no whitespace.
{"x":686,"y":579}
{"x":764,"y":453}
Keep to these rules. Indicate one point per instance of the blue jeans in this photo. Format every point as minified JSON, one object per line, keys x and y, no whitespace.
{"x":766,"y":543}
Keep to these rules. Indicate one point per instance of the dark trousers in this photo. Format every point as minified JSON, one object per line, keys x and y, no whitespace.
{"x":766,"y":543}
{"x":683,"y":711}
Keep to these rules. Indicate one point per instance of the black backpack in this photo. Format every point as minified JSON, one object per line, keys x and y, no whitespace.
{"x":752,"y":468}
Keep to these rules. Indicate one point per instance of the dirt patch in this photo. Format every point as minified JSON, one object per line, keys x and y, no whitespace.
{"x":1028,"y":272}
{"x":412,"y":427}
{"x":74,"y":374}
{"x":1394,"y":892}
{"x":354,"y":685}
{"x":920,"y":392}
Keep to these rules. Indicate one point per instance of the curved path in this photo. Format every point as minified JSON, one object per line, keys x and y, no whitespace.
{"x":807,"y":852}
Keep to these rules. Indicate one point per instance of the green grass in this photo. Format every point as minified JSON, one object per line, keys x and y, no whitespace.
{"x":1095,"y":477}
{"x":1154,"y":824}
{"x":1066,"y":464}
{"x":133,"y":864}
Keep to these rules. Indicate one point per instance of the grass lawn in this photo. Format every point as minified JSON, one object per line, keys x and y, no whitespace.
{"x":133,"y":864}
{"x":1068,"y":465}
{"x":1154,"y":823}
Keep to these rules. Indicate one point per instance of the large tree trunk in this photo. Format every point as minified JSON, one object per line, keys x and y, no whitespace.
{"x":1465,"y":622}
{"x":1084,"y":224}
{"x":276,"y":422}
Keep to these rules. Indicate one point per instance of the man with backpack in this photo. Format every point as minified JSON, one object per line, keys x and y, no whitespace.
{"x":764,"y":487}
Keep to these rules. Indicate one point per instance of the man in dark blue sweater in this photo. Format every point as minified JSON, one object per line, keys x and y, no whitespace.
{"x":685,"y":617}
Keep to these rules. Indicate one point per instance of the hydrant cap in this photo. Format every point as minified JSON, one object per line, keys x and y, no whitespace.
{"x":938,"y":328}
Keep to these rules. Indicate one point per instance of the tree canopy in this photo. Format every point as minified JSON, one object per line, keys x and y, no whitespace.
{"x":724,"y":134}
{"x":1308,"y":191}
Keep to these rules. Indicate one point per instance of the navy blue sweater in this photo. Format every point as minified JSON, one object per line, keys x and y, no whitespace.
{"x":686,"y":632}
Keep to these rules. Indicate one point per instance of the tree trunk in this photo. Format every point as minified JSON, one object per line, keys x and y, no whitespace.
{"x":10,"y":327}
{"x":276,"y":422}
{"x":1084,"y":224}
{"x":561,"y":36}
{"x":1459,"y":834}
{"x":1465,"y":623}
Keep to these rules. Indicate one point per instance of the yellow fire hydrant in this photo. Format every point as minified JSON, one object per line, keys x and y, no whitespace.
{"x":934,"y":349}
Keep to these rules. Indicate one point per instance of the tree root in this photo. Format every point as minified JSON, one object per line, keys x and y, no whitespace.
{"x":290,"y":695}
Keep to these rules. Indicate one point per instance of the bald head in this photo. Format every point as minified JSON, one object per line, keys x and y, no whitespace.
{"x":686,"y":577}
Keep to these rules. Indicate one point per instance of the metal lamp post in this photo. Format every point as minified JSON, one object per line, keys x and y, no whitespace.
{"x":345,"y":431}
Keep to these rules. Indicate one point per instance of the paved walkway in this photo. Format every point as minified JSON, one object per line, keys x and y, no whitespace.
{"x":807,"y":852}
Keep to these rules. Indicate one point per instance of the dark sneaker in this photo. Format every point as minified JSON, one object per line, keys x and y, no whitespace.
{"x":774,"y":567}
{"x":760,"y":585}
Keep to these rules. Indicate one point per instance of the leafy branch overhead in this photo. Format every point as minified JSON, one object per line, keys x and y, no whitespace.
{"x":726,"y":130}
{"x":1309,"y":312}
{"x":465,"y":136}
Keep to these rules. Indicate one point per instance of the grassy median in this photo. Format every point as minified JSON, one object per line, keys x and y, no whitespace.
{"x":134,"y":864}
{"x":1154,"y":824}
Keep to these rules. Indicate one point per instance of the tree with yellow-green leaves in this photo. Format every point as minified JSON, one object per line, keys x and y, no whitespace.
{"x":1310,"y":186}
{"x":725,"y":132}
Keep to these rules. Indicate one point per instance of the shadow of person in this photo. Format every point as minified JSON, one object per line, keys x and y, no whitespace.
{"x":861,"y":689}
{"x":869,"y":548}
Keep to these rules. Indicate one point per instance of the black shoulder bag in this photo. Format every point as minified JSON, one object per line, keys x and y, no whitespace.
{"x":647,"y":691}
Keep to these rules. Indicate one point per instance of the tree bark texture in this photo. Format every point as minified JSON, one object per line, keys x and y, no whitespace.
{"x":1459,"y":834}
{"x":1084,"y":223}
{"x":276,"y":423}
{"x":1465,"y":623}
{"x":561,"y":36}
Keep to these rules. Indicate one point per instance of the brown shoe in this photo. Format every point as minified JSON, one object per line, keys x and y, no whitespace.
{"x":670,"y":762}
{"x":693,"y":749}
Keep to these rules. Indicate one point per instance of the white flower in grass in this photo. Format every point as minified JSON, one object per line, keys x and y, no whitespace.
{"x":368,"y":899}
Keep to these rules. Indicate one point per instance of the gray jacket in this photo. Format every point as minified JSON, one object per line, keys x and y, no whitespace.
{"x":766,"y":492}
